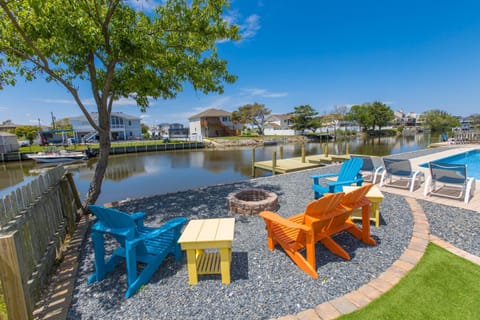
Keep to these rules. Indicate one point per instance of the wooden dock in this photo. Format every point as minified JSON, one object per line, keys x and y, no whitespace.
{"x":286,"y":165}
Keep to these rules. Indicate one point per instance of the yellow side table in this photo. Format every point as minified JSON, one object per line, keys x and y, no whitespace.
{"x":204,"y":234}
{"x":375,"y":196}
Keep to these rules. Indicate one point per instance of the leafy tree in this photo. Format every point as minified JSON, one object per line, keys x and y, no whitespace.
{"x":439,"y":120}
{"x":252,"y":114}
{"x":382,"y":114}
{"x":63,"y":124}
{"x":362,"y":115}
{"x":27,"y":132}
{"x":371,"y":115}
{"x":145,"y":129}
{"x":117,"y":51}
{"x":304,"y":117}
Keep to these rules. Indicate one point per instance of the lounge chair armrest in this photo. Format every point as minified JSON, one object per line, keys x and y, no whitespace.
{"x":167,"y":226}
{"x":275,"y":218}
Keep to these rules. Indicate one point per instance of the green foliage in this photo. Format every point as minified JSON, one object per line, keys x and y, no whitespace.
{"x":252,"y":114}
{"x":145,"y":133}
{"x":27,"y":132}
{"x":439,"y":120}
{"x":441,"y":286}
{"x":371,"y":115}
{"x":362,"y":115}
{"x":121,"y":52}
{"x":304,"y":117}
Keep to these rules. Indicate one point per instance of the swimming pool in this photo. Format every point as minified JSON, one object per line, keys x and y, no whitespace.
{"x":470,"y":158}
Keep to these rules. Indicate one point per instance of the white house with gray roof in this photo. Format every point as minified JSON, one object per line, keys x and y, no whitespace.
{"x":123,"y":127}
{"x":213,"y":123}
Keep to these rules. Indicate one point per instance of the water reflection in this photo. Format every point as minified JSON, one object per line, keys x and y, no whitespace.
{"x":144,"y":174}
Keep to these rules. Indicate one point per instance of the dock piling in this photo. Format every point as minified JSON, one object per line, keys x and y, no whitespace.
{"x":274,"y":162}
{"x":303,"y":152}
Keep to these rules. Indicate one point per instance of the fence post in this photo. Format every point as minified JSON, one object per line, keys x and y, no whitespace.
{"x":11,"y":279}
{"x":303,"y":153}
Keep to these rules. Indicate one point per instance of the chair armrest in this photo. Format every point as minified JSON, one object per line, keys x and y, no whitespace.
{"x":100,"y":227}
{"x":137,"y":215}
{"x":324,"y":175}
{"x":275,"y":218}
{"x":175,"y":223}
{"x":333,"y":184}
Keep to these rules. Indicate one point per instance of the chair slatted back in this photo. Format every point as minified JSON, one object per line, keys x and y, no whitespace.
{"x":350,"y":169}
{"x":448,"y":173}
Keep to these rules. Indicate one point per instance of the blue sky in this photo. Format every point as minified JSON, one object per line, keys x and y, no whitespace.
{"x":411,"y":55}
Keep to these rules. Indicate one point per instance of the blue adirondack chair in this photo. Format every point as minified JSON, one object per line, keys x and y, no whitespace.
{"x":137,"y":244}
{"x":349,"y":173}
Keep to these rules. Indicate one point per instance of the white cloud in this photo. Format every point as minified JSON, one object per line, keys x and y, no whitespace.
{"x":143,"y":5}
{"x":250,"y":27}
{"x":144,"y":116}
{"x":264,"y":93}
{"x":2,"y":109}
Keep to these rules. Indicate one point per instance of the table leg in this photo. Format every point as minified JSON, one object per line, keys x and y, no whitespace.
{"x":376,"y":213}
{"x":225,"y":259}
{"x":366,"y":226}
{"x":192,"y":266}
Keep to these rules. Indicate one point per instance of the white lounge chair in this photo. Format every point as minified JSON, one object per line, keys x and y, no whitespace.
{"x":398,"y":173}
{"x":370,"y":172}
{"x":450,"y":181}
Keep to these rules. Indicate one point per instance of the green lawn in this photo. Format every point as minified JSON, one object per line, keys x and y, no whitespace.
{"x":441,"y":286}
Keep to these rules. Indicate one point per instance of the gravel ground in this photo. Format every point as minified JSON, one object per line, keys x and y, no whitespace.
{"x":460,"y":227}
{"x":264,"y":284}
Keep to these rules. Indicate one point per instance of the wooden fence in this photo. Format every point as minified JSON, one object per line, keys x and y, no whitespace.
{"x":35,"y":220}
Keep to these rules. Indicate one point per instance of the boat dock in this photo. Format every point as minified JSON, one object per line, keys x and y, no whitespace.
{"x":296,"y":163}
{"x":285,"y":165}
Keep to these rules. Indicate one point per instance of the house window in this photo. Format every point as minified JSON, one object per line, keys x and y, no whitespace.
{"x":225,"y":119}
{"x":129,"y":122}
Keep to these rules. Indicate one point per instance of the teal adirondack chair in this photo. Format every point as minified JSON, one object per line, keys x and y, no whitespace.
{"x":137,"y":244}
{"x":349,"y":173}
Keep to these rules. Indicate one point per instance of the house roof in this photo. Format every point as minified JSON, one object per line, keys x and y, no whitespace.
{"x":280,"y":116}
{"x":210,"y":113}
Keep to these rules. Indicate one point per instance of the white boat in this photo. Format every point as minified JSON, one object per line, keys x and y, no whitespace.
{"x":57,"y":156}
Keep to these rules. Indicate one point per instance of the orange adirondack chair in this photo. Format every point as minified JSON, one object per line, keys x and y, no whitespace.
{"x":331,"y":225}
{"x":299,"y":231}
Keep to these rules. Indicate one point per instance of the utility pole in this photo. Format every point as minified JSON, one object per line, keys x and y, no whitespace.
{"x":53,"y":121}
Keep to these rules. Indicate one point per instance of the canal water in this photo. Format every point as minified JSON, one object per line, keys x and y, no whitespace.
{"x":145,"y":174}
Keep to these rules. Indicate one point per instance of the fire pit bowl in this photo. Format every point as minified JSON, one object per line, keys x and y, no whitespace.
{"x":252,"y":201}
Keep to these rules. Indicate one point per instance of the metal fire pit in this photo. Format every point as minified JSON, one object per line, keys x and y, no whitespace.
{"x":252,"y":201}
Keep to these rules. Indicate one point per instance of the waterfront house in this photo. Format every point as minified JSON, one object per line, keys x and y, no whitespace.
{"x":168,"y":130}
{"x":8,"y":142}
{"x":280,"y":124}
{"x":213,"y":123}
{"x":122,"y":127}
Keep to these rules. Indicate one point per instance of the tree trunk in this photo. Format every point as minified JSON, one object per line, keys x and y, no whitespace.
{"x":96,"y":183}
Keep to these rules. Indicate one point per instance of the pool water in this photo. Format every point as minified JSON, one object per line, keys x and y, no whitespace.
{"x":470,"y":158}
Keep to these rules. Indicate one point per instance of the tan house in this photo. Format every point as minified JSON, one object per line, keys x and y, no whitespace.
{"x":213,"y":123}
